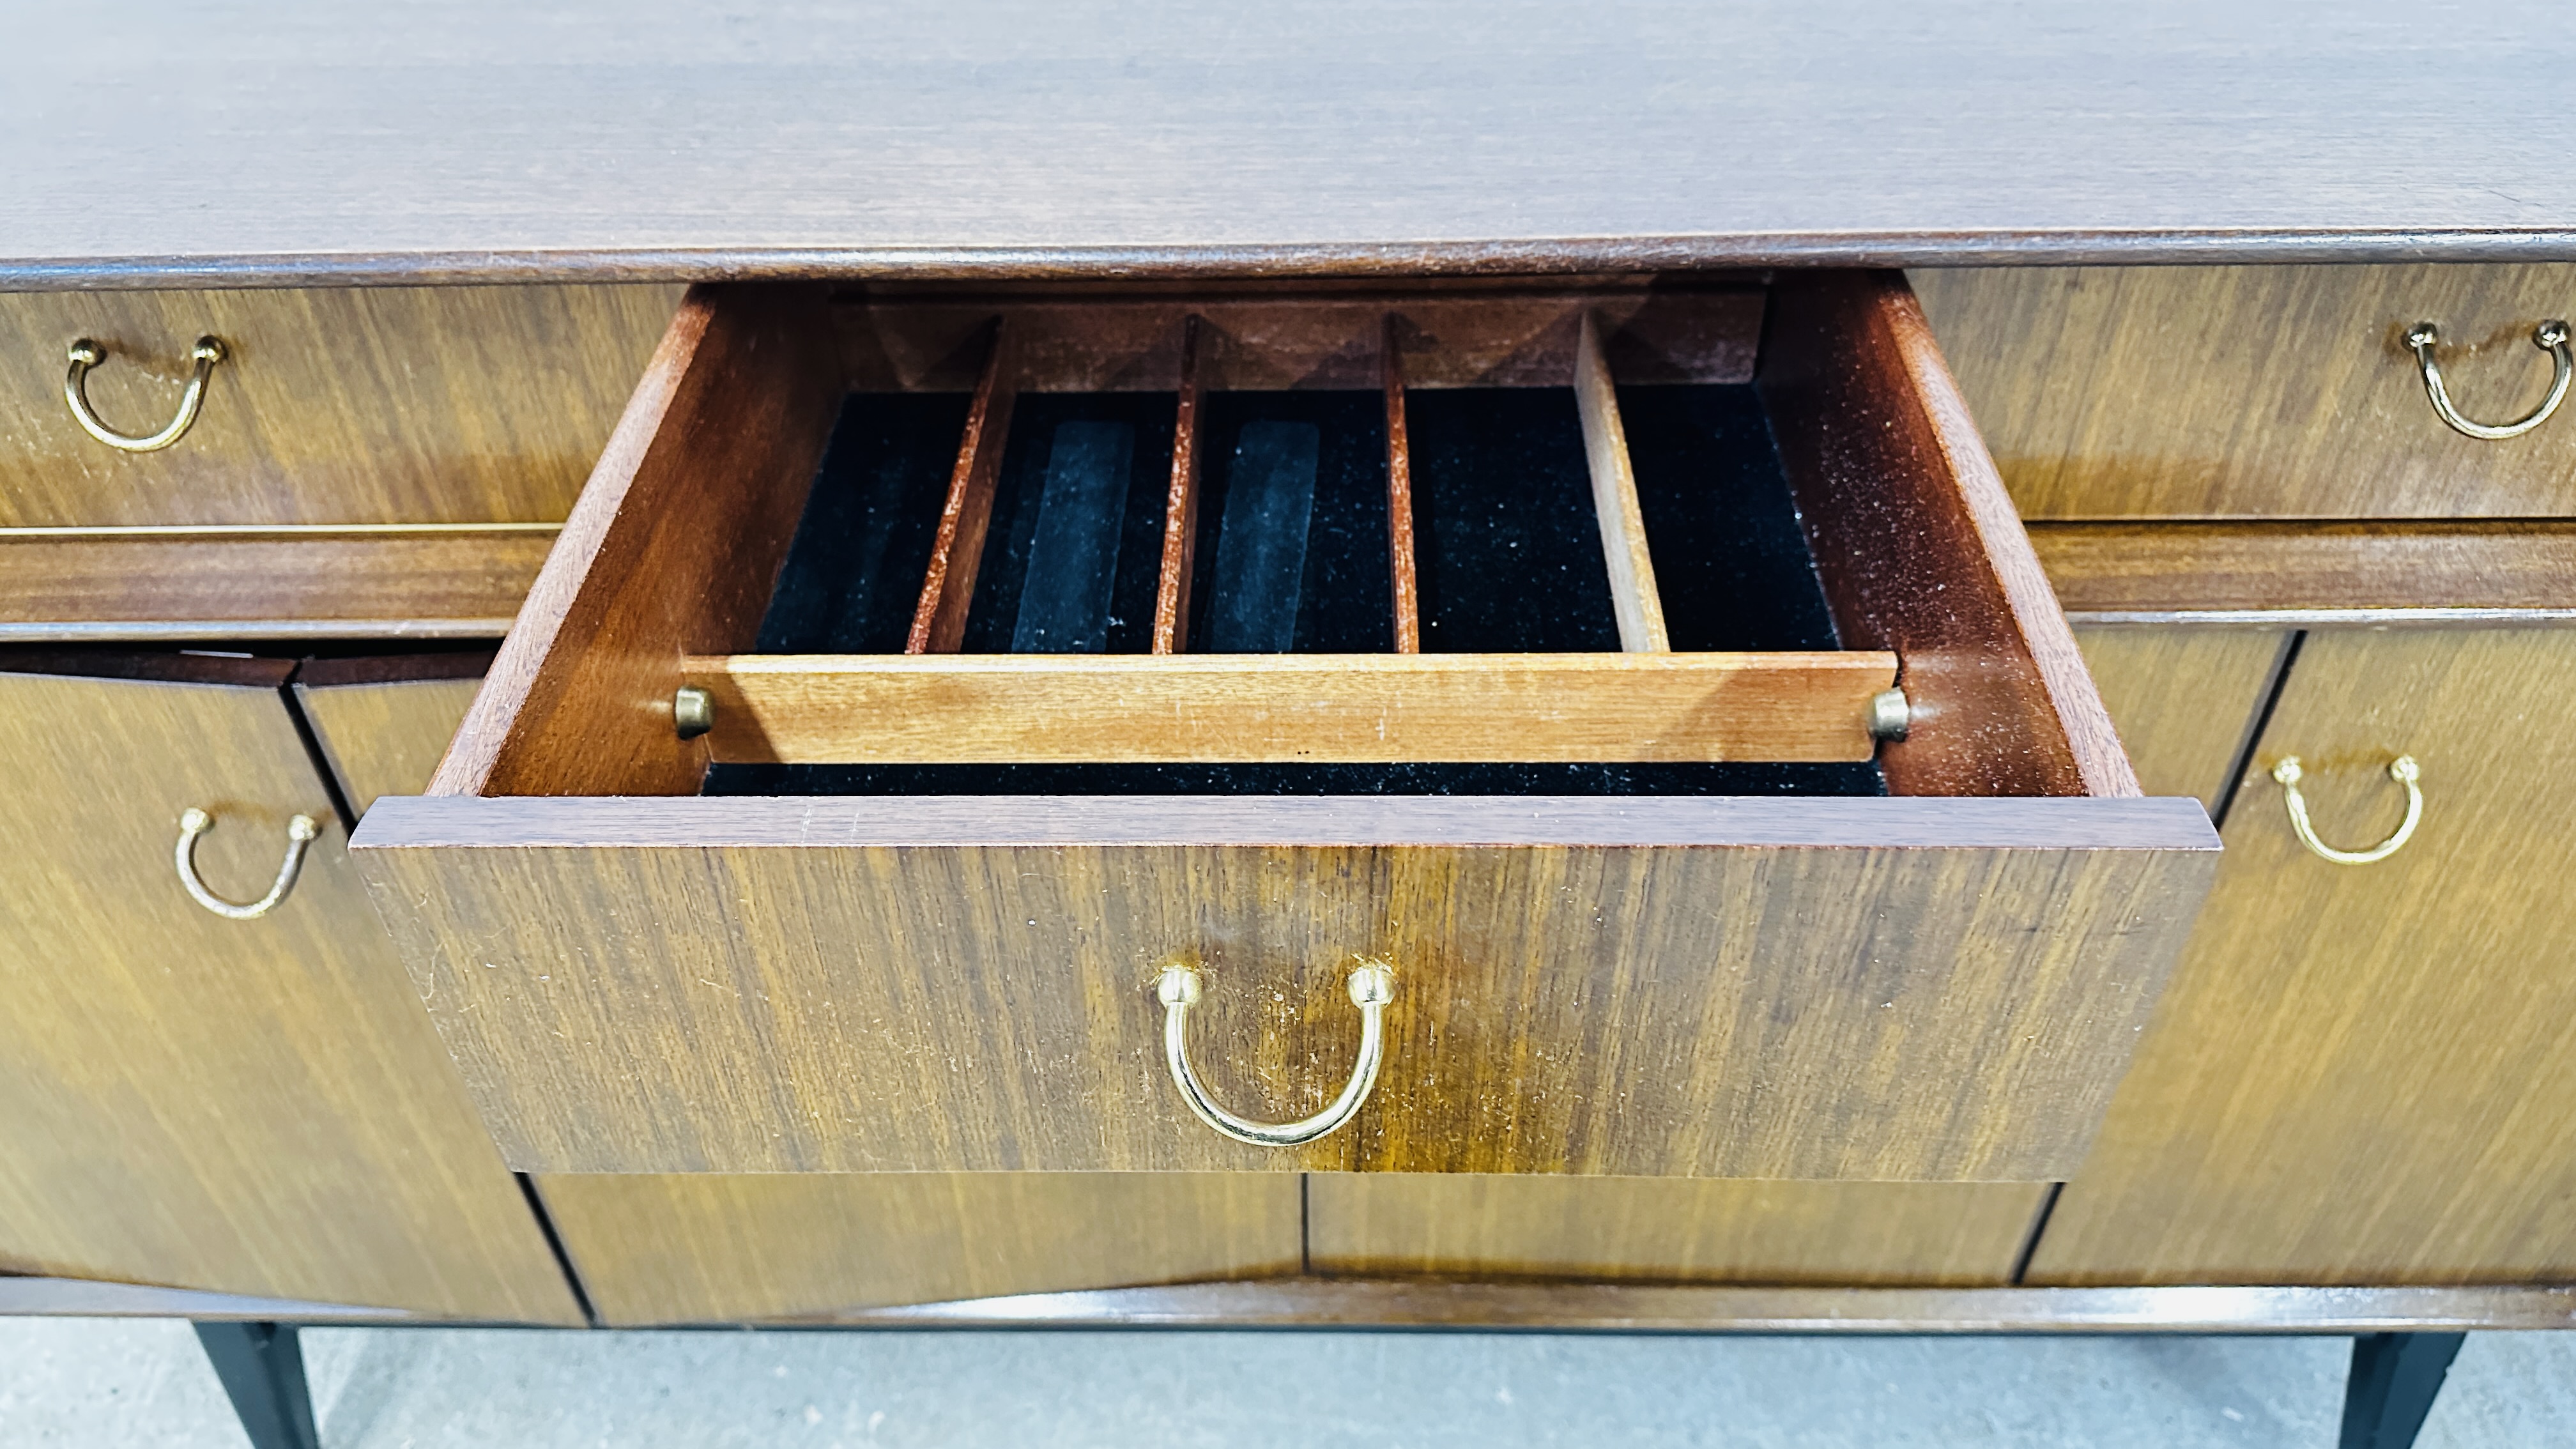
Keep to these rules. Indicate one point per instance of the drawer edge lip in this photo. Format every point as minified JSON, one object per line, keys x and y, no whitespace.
{"x":2147,"y":823}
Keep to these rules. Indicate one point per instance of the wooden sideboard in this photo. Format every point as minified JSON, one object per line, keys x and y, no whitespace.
{"x":1806,"y":739}
{"x":2344,"y":1081}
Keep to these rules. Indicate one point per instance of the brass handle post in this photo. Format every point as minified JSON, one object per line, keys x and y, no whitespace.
{"x":86,"y":354}
{"x":2549,"y":337}
{"x":300,"y":834}
{"x":1372,"y":986}
{"x":2403,"y":770}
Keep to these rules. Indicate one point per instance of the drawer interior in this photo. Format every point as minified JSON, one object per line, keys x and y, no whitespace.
{"x":1626,"y":537}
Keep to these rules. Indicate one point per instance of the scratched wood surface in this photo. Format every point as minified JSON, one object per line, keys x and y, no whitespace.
{"x":1762,"y":1010}
{"x":721,"y":1247}
{"x":2362,"y":1074}
{"x":1668,"y":1230}
{"x":670,"y":141}
{"x":253,"y":1107}
{"x":2311,"y":571}
{"x":2283,"y":392}
{"x":385,"y":405}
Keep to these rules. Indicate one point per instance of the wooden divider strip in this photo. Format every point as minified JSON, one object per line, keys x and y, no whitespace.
{"x":1639,"y":608}
{"x":948,"y":588}
{"x":1291,"y":708}
{"x":1399,"y":499}
{"x":1181,"y":505}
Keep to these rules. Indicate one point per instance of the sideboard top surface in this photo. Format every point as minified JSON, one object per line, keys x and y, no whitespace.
{"x":298,"y":142}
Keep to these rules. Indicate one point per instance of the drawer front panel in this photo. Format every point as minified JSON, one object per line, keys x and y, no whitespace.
{"x":420,"y":405}
{"x":2363,"y":1073}
{"x":2289,"y":392}
{"x":1720,"y":1003}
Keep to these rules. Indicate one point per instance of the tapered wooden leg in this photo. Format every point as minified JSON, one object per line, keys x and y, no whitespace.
{"x":2394,"y":1379}
{"x":262,"y":1368}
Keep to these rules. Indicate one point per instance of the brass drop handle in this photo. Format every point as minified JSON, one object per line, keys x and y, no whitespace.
{"x":1372,"y":986}
{"x":87,"y":354}
{"x":2403,"y":770}
{"x":300,"y":834}
{"x":2549,"y":337}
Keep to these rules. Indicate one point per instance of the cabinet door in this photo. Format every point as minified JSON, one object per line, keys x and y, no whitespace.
{"x":2366,"y":1073}
{"x":2182,"y":698}
{"x":249,"y":1106}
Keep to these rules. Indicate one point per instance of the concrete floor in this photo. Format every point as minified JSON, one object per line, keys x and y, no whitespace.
{"x":118,"y":1384}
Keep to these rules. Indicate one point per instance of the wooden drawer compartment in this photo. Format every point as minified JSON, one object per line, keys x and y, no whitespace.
{"x":1658,"y":911}
{"x":436,"y":406}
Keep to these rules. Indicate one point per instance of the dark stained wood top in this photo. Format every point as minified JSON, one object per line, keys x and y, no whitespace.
{"x":186,"y":145}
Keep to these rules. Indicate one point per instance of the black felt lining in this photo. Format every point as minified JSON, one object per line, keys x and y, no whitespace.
{"x":1510,"y":557}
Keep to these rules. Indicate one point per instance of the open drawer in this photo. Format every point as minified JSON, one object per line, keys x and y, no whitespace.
{"x":1145,"y":661}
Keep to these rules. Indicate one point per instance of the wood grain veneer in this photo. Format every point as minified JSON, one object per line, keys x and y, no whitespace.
{"x":1919,"y":551}
{"x":957,"y":551}
{"x":260,"y":583}
{"x":1672,"y":1230}
{"x":2284,"y":392}
{"x":854,"y":1001}
{"x":1406,"y":138}
{"x":2186,"y":699}
{"x":855,"y":708}
{"x":2277,"y":573}
{"x":389,"y":405}
{"x":2362,"y":1074}
{"x":382,"y":724}
{"x":1640,"y":610}
{"x":717,"y":1248}
{"x":248,"y":1107}
{"x":654,"y":562}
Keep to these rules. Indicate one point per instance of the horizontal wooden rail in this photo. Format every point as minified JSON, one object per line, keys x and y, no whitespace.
{"x":1294,"y":708}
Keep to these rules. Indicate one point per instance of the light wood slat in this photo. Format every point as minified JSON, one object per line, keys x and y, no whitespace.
{"x":268,"y":583}
{"x":727,"y":1247}
{"x":1633,"y":599}
{"x":948,"y":590}
{"x":1401,"y":569}
{"x":850,"y":708}
{"x":1181,"y":503}
{"x":2365,"y":1074}
{"x":1667,"y":1229}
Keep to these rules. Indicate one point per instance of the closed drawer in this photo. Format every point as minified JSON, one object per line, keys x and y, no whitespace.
{"x":408,"y":405}
{"x":2281,"y":392}
{"x":1654,"y":898}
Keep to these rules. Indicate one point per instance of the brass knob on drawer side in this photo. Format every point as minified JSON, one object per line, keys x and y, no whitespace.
{"x":1371,"y":986}
{"x":86,"y":354}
